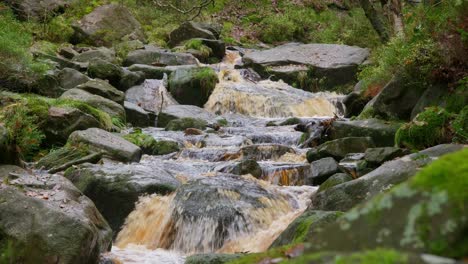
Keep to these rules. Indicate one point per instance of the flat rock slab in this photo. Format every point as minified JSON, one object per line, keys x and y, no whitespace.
{"x":112,"y":145}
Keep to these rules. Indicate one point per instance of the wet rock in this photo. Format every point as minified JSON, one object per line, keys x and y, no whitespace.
{"x":173,"y":112}
{"x":159,"y":58}
{"x":312,"y":155}
{"x":336,"y":65}
{"x":115,"y":188}
{"x":38,"y":10}
{"x":105,"y":70}
{"x":382,"y":133}
{"x":137,"y":116}
{"x":104,"y":89}
{"x":112,"y":108}
{"x":265,"y":152}
{"x":62,"y":121}
{"x":186,"y":122}
{"x":376,"y":156}
{"x":102,"y":53}
{"x":344,"y":196}
{"x":190,"y":30}
{"x":48,"y":220}
{"x":355,"y":164}
{"x":321,"y":170}
{"x":192,"y":86}
{"x":67,"y":156}
{"x":334,"y":180}
{"x":8,"y":155}
{"x":305,"y":226}
{"x":413,"y":216}
{"x":70,"y":78}
{"x":244,"y":167}
{"x":338,"y":148}
{"x":111,"y":145}
{"x":150,"y":72}
{"x":217,"y":47}
{"x":150,"y":95}
{"x":354,"y":104}
{"x":395,"y":101}
{"x":212,"y":258}
{"x":67,"y":52}
{"x":149,"y":145}
{"x":107,"y":24}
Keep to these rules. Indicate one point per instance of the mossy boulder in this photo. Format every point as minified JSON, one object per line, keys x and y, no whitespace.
{"x":105,"y":70}
{"x":48,"y":220}
{"x":248,"y":166}
{"x":377,"y":156}
{"x":334,"y":180}
{"x":107,"y":24}
{"x":321,"y":170}
{"x":190,"y":30}
{"x":104,"y":89}
{"x":70,"y":78}
{"x":67,"y":156}
{"x":115,"y":188}
{"x":150,"y":72}
{"x":338,"y":148}
{"x":151,"y":146}
{"x":344,"y":196}
{"x":211,"y":258}
{"x":192,"y":86}
{"x":159,"y":57}
{"x":186,"y":122}
{"x":429,"y":128}
{"x":38,"y":10}
{"x":426,"y":214}
{"x":305,"y":226}
{"x":89,"y":54}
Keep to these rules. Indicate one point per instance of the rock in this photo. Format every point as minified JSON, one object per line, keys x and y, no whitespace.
{"x":111,"y":145}
{"x":70,"y":78}
{"x":440,"y":95}
{"x":130,"y":79}
{"x":217,"y":47}
{"x":395,"y":101}
{"x":248,"y":166}
{"x":334,"y":180}
{"x":381,"y":132}
{"x":151,"y":72}
{"x":115,"y":188}
{"x":68,"y":52}
{"x":66,"y":157}
{"x":354,"y":104}
{"x":413,"y":216}
{"x":112,"y":108}
{"x":186,"y":122}
{"x":173,"y":112}
{"x":150,"y":95}
{"x":344,"y":196}
{"x":264,"y":152}
{"x":48,"y":221}
{"x":338,"y":148}
{"x":355,"y":164}
{"x":105,"y":70}
{"x":8,"y":155}
{"x":107,"y":24}
{"x":48,"y":84}
{"x":211,"y":258}
{"x":62,"y":121}
{"x":159,"y":58}
{"x":335,"y":65}
{"x":305,"y":226}
{"x":137,"y":116}
{"x":150,"y":146}
{"x":192,"y":86}
{"x":102,"y":53}
{"x":312,"y":155}
{"x":377,"y":156}
{"x":321,"y":170}
{"x":104,"y":89}
{"x":190,"y":30}
{"x":38,"y":10}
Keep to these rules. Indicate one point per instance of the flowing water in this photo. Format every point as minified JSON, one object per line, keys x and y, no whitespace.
{"x":215,"y":211}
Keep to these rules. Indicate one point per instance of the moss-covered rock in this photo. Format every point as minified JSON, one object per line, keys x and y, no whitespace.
{"x":334,"y":180}
{"x":105,"y":70}
{"x":104,"y":89}
{"x":192,"y":86}
{"x":211,"y":258}
{"x":67,"y":156}
{"x":338,"y":148}
{"x":429,"y":128}
{"x":291,"y":121}
{"x":151,"y":146}
{"x":187,"y":122}
{"x":426,"y":214}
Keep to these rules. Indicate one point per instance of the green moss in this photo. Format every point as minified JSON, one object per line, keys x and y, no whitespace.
{"x":184,"y":123}
{"x":334,"y":180}
{"x":460,"y":126}
{"x":222,"y":122}
{"x":151,"y":146}
{"x":428,"y":128}
{"x":207,"y":78}
{"x":367,"y":113}
{"x":304,"y":137}
{"x":383,"y":256}
{"x":197,"y":44}
{"x":291,"y":121}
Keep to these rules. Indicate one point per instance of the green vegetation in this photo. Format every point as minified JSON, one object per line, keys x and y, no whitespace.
{"x":184,"y":123}
{"x":151,"y":146}
{"x":207,"y":78}
{"x":383,"y":256}
{"x":460,"y":126}
{"x":428,"y":128}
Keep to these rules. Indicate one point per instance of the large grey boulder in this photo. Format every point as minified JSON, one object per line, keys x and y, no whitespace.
{"x":62,"y":121}
{"x":112,"y":108}
{"x":336,"y":65}
{"x":190,"y":30}
{"x":115,"y":188}
{"x":395,"y":101}
{"x":344,"y":196}
{"x":381,"y":132}
{"x":321,"y":170}
{"x":173,"y":112}
{"x":159,"y":57}
{"x":102,"y":53}
{"x":151,"y":95}
{"x":423,"y":215}
{"x":376,"y":156}
{"x":48,"y":220}
{"x":150,"y":72}
{"x":70,"y":78}
{"x":339,"y":148}
{"x":137,"y":116}
{"x":111,"y":145}
{"x":38,"y":10}
{"x":106,"y":24}
{"x":105,"y":70}
{"x":104,"y":89}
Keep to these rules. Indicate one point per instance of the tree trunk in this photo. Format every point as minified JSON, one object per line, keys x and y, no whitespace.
{"x":377,"y":20}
